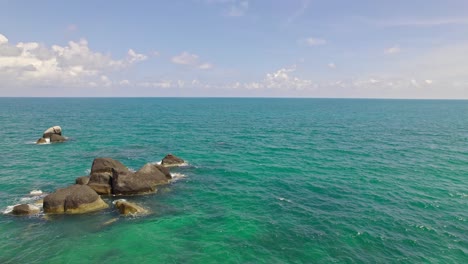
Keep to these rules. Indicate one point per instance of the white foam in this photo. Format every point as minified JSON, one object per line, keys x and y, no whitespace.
{"x":284,"y":199}
{"x":9,"y":209}
{"x":185,"y":164}
{"x":119,"y":200}
{"x":177,"y":176}
{"x":35,"y":192}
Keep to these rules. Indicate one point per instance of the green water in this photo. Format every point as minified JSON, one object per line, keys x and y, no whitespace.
{"x":268,"y":181}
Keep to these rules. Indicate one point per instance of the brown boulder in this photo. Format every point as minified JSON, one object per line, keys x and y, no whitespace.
{"x":83,"y":180}
{"x":106,"y":165}
{"x":25,"y":209}
{"x":100,"y":179}
{"x":75,"y":199}
{"x":170,"y":160}
{"x":57,"y":138}
{"x":140,"y":182}
{"x":127,"y":208}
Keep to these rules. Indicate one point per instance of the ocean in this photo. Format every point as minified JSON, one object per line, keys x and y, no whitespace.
{"x":267,"y":180}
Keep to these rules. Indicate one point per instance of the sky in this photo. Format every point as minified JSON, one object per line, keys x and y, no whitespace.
{"x":235,"y":48}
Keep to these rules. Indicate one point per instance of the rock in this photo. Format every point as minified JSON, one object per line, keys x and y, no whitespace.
{"x":101,"y":182}
{"x":164,"y":170}
{"x":106,"y":165}
{"x":25,"y":209}
{"x":140,"y":182}
{"x":51,"y":131}
{"x":127,"y":208}
{"x":111,"y":221}
{"x":83,"y":180}
{"x":57,"y":138}
{"x":43,"y":141}
{"x":101,"y":174}
{"x":52,"y":134}
{"x":75,"y":199}
{"x":171,"y":160}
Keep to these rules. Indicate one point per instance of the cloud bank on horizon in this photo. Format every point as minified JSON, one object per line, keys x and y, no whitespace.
{"x":390,"y":49}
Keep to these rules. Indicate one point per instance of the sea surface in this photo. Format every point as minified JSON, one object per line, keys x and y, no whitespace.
{"x":267,"y":180}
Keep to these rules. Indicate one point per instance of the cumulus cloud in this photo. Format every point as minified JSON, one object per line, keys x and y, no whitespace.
{"x":393,"y":50}
{"x":282,"y":79}
{"x":186,"y":58}
{"x":75,"y":64}
{"x":135,"y":57}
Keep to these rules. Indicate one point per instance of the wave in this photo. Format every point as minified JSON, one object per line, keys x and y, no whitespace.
{"x":33,"y":198}
{"x":185,"y":164}
{"x":177,"y":176}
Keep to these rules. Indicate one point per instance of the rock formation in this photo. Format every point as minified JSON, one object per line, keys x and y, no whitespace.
{"x":143,"y":181}
{"x":75,"y":199}
{"x":52,"y":134}
{"x":25,"y":209}
{"x":101,"y":174}
{"x":170,"y":160}
{"x":128,"y":208}
{"x":83,"y":180}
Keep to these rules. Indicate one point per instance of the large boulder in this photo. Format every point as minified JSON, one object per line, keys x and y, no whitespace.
{"x":57,"y":138}
{"x":106,"y":165}
{"x":170,"y":160}
{"x":143,"y":181}
{"x":52,"y":134}
{"x":100,"y":178}
{"x":101,"y":182}
{"x":55,"y":130}
{"x":75,"y":199}
{"x":25,"y":209}
{"x":127,"y":208}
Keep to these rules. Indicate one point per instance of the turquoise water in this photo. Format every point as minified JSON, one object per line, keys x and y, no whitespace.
{"x":269,"y":180}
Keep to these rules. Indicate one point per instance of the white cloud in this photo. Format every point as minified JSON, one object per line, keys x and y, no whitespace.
{"x":3,"y":39}
{"x":282,"y":80}
{"x":185,"y":58}
{"x":331,"y":65}
{"x":315,"y":41}
{"x":135,"y":57}
{"x":189,"y":59}
{"x":75,"y":64}
{"x":124,"y":82}
{"x":393,"y":50}
{"x":205,"y":66}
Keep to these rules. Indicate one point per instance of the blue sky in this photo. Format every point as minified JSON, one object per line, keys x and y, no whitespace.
{"x":295,"y":48}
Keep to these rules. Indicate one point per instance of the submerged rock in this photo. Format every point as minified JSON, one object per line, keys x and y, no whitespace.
{"x":52,"y":134}
{"x":25,"y":209}
{"x":143,"y":181}
{"x":75,"y":199}
{"x":171,"y":160}
{"x":127,"y":208}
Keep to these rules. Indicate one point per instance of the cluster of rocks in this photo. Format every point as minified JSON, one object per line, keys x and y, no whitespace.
{"x":52,"y":135}
{"x":107,"y":177}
